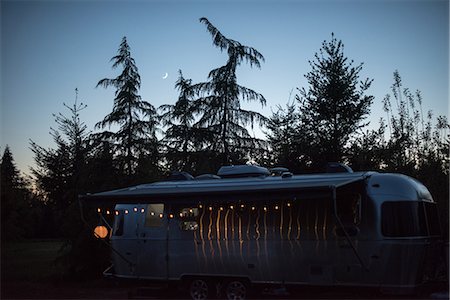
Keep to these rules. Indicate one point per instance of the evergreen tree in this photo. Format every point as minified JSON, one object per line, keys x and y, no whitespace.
{"x":136,"y":118}
{"x":222,"y":113}
{"x":60,"y":172}
{"x":334,"y":106}
{"x":14,"y":200}
{"x":282,"y":137}
{"x":183,"y":141}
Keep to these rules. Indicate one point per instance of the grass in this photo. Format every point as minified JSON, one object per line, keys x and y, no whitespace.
{"x":30,"y":260}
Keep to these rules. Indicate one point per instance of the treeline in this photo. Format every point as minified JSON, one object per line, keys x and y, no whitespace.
{"x":206,"y":127}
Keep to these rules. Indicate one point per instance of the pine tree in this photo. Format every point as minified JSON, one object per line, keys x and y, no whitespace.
{"x":182,"y":139}
{"x":222,"y":113}
{"x":334,"y":106}
{"x":60,"y":172}
{"x":136,"y":118}
{"x":282,"y":137}
{"x":14,"y":199}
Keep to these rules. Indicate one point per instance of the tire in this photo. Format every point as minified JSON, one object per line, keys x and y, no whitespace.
{"x":199,"y":289}
{"x":236,"y":290}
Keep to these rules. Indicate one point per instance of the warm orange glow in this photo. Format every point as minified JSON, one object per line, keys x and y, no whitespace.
{"x":100,"y":232}
{"x":171,"y":216}
{"x":160,"y":216}
{"x":221,"y":208}
{"x":265,"y":208}
{"x":276,"y":207}
{"x":231,"y":206}
{"x":242,"y":205}
{"x":99,"y":210}
{"x":117,"y":212}
{"x":289,"y":204}
{"x":107,"y":212}
{"x":210,"y":208}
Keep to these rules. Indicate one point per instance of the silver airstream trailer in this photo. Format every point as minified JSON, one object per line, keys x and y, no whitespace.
{"x":245,"y":227}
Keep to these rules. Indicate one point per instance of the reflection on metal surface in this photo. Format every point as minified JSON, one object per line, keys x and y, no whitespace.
{"x":324,"y":228}
{"x":281,"y":222}
{"x":210,"y":223}
{"x":316,"y":222}
{"x":218,"y":224}
{"x":226,"y":224}
{"x":290,"y":222}
{"x":257,"y":226}
{"x":201,"y":223}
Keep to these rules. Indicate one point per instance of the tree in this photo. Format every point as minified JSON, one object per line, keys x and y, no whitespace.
{"x":14,"y":200}
{"x":222,"y":113}
{"x":334,"y":106}
{"x":182,"y":139}
{"x":136,"y":135}
{"x":282,"y":137}
{"x":60,"y":172}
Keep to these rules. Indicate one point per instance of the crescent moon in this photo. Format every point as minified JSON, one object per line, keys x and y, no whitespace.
{"x":165,"y":75}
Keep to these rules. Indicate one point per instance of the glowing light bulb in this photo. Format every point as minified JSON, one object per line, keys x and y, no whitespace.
{"x":99,"y":210}
{"x":152,"y":213}
{"x":253,"y":208}
{"x":289,"y":204}
{"x":142,"y":210}
{"x":276,"y":207}
{"x":221,"y":208}
{"x":135,"y":209}
{"x":242,"y":205}
{"x":210,"y":208}
{"x":200,"y":206}
{"x":171,"y":216}
{"x":231,"y":206}
{"x":108,"y":212}
{"x":117,"y":212}
{"x":265,"y":208}
{"x":181,"y":214}
{"x":126,"y":211}
{"x":160,"y":216}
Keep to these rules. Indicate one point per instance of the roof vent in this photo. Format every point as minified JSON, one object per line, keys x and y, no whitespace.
{"x":278,"y":171}
{"x":240,"y":171}
{"x":206,"y":177}
{"x":335,"y":167}
{"x":180,"y":176}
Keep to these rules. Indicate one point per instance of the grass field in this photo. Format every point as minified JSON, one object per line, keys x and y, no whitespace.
{"x":32,"y":260}
{"x":29,"y":271}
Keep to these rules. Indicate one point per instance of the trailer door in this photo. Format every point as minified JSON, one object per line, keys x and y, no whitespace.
{"x":152,"y":242}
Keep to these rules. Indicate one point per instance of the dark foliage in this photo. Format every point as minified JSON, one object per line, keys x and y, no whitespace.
{"x":221,"y":112}
{"x":136,"y":118}
{"x":334,"y":106}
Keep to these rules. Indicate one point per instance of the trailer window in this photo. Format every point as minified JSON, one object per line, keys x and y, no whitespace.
{"x":188,"y":218}
{"x":154,"y":215}
{"x":403,"y":219}
{"x":432,"y":218}
{"x":118,"y":224}
{"x":348,"y":207}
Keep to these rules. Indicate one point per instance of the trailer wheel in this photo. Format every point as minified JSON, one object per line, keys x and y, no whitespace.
{"x":236,"y":290}
{"x":198,"y":289}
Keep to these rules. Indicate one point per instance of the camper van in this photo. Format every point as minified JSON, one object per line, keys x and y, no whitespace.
{"x":247,"y":226}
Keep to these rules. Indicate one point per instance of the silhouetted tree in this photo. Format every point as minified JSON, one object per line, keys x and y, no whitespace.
{"x":60,"y":172}
{"x":183,"y":140}
{"x":222,"y":113}
{"x":15,"y":198}
{"x":282,"y":137}
{"x":334,"y":106}
{"x":136,"y":118}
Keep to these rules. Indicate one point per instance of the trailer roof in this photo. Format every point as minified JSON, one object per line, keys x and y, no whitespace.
{"x":307,"y":186}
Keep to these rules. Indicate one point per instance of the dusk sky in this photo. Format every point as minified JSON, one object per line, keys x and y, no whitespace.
{"x":49,"y":48}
